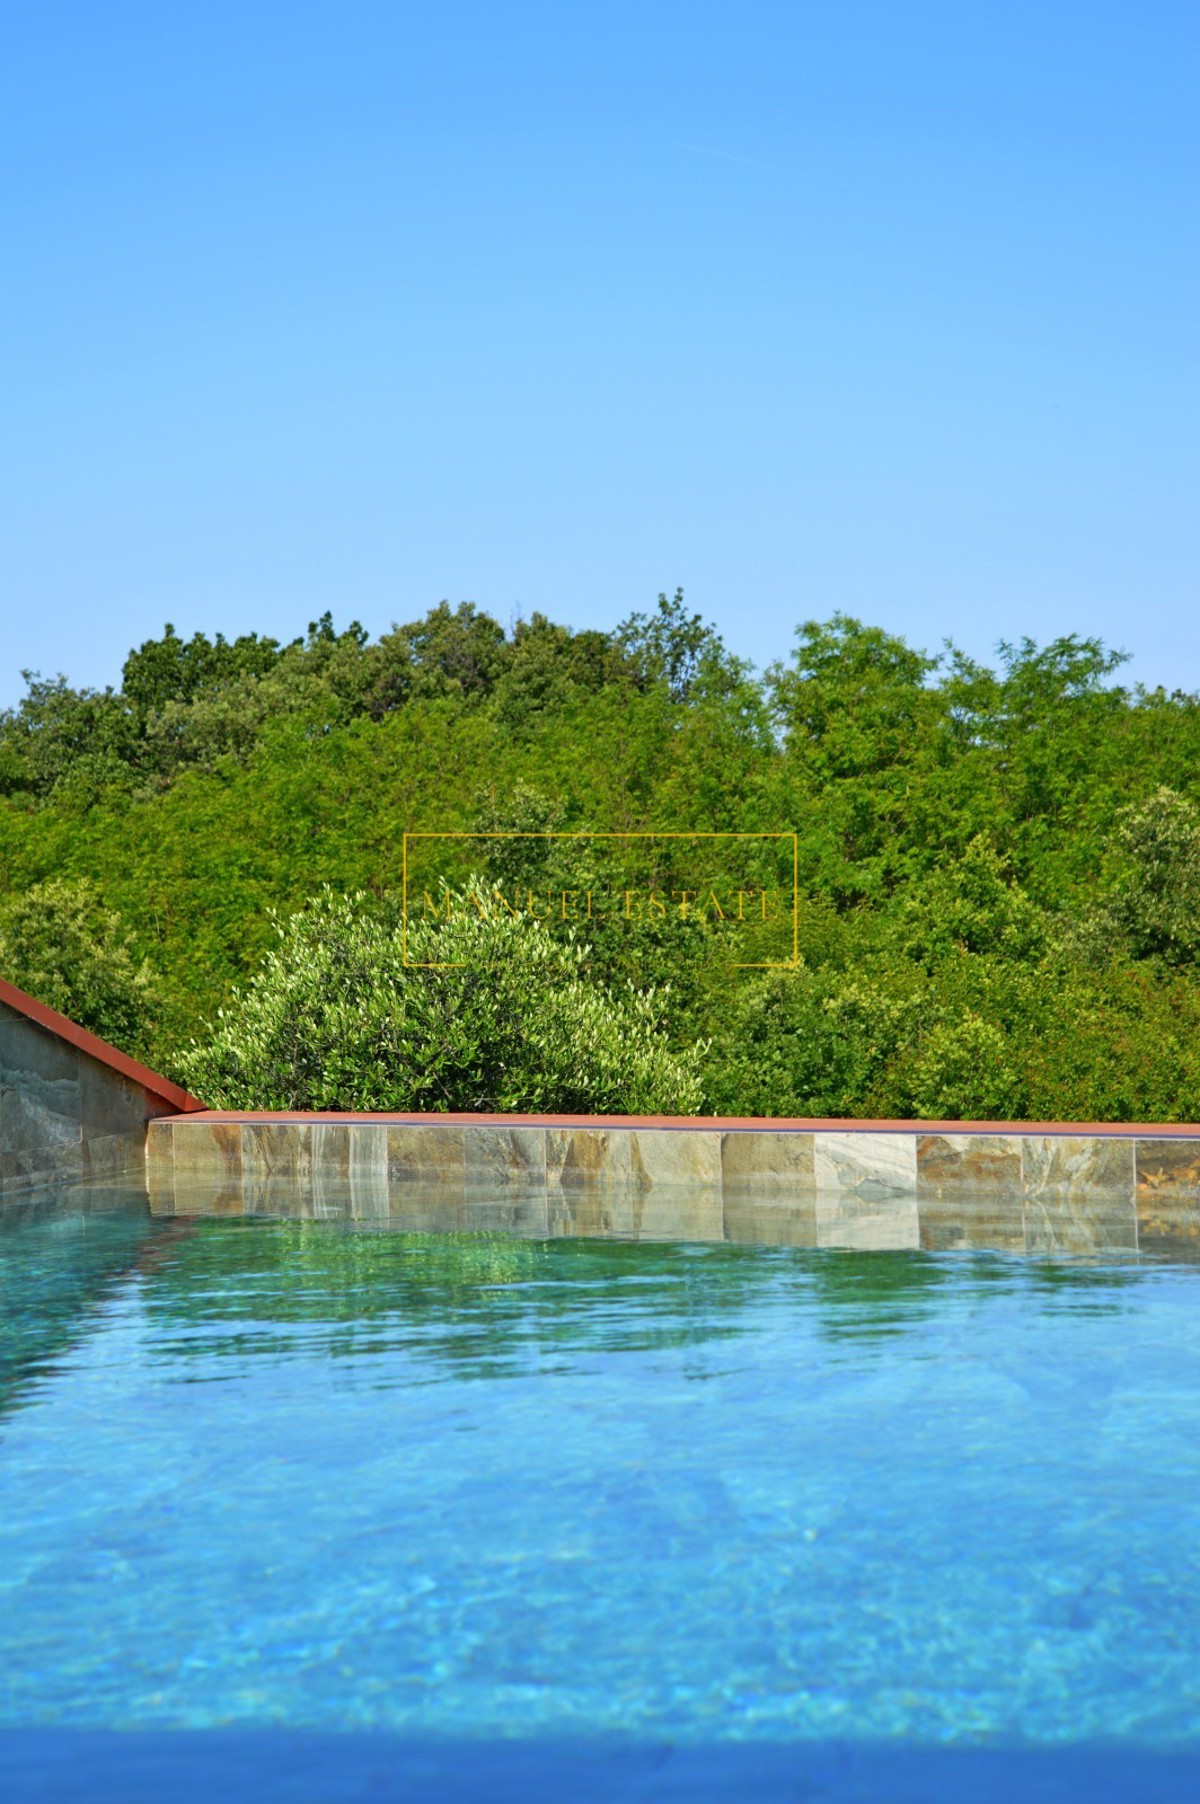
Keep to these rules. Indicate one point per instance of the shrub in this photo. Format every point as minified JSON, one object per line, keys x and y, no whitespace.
{"x":1156,"y":902}
{"x":477,"y":1011}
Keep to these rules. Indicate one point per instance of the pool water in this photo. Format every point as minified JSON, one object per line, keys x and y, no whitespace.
{"x":290,"y":1510}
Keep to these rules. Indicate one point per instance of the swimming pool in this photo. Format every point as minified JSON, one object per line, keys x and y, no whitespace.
{"x":296,"y":1509}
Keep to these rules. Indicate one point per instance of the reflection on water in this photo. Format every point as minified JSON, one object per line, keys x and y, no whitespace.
{"x":459,"y":1271}
{"x":1084,"y":1226}
{"x":61,"y":1255}
{"x":487,"y":1283}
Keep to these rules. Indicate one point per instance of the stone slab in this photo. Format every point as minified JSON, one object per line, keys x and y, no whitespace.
{"x":1081,"y":1223}
{"x":957,"y":1164}
{"x":580,"y":1159}
{"x":505,"y":1156}
{"x":1059,"y":1165}
{"x":777,"y":1218}
{"x":766,"y":1161}
{"x":426,"y":1154}
{"x":866,"y":1165}
{"x":679,"y":1212}
{"x":971,"y":1220}
{"x":1167,"y":1168}
{"x":662,"y":1156}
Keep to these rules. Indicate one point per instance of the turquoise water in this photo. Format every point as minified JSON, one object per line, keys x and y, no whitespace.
{"x":291,"y":1510}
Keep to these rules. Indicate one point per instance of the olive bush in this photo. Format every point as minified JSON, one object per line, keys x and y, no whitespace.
{"x":474,"y":1009}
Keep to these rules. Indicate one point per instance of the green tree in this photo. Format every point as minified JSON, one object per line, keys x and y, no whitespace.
{"x":972,"y":905}
{"x":66,"y":742}
{"x":459,"y":652}
{"x":671,"y":646}
{"x":172,"y":669}
{"x":61,"y":944}
{"x":853,"y":696}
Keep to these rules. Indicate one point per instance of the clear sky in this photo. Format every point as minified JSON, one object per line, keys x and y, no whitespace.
{"x":867,"y":304}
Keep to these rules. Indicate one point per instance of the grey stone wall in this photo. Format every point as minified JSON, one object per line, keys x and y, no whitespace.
{"x":64,"y":1116}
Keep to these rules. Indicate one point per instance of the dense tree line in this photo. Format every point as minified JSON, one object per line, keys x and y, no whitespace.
{"x":999,"y":865}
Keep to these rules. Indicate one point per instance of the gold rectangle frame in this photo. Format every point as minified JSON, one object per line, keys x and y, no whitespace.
{"x":641,"y":833}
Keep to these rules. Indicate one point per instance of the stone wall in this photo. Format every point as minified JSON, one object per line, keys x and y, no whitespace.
{"x":895,"y":1185}
{"x":67,"y":1113}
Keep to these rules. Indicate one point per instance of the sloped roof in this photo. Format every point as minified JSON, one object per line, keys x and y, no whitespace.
{"x":161,"y":1088}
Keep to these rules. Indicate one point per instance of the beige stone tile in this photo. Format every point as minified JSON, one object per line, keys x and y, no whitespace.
{"x":207,"y":1196}
{"x":594,"y":1210}
{"x":329,"y":1196}
{"x":1168,"y":1198}
{"x":161,"y":1196}
{"x":1167,"y":1168}
{"x":247,"y":1200}
{"x":206,"y":1150}
{"x":277,"y":1149}
{"x":521,"y":1210}
{"x":425,"y":1152}
{"x":505,"y":1156}
{"x":280,"y":1194}
{"x":368,"y":1170}
{"x":368,"y":1150}
{"x":160,"y":1152}
{"x":331,"y":1151}
{"x":675,"y":1156}
{"x":1060,"y":1165}
{"x":765,"y":1159}
{"x":370,"y":1197}
{"x":669,"y":1211}
{"x":588,"y":1159}
{"x":866,"y":1164}
{"x":423,"y":1206}
{"x":971,"y":1220}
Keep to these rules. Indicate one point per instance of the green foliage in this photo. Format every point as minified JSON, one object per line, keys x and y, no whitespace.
{"x":853,"y":697}
{"x":61,"y":944}
{"x":72,"y":743}
{"x":481,"y":1010}
{"x":971,"y":904}
{"x":999,"y":866}
{"x":172,"y":669}
{"x":456,"y":652}
{"x":549,"y":666}
{"x":672,"y":647}
{"x":962,"y":1072}
{"x":1155,"y":901}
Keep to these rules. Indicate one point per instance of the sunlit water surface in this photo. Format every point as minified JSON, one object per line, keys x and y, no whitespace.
{"x":363,"y":1514}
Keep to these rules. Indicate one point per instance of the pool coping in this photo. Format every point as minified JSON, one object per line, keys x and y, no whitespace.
{"x":774,"y":1124}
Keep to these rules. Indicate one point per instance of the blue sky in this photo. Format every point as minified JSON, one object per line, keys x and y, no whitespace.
{"x":890,"y":308}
